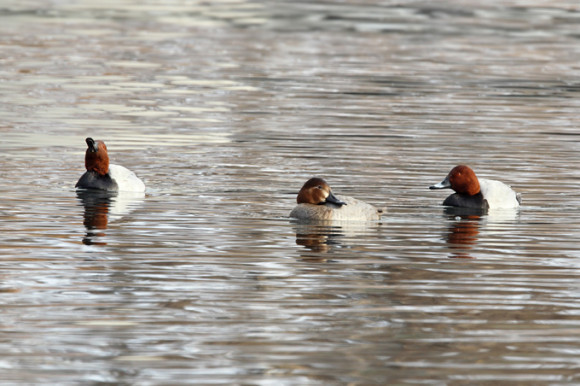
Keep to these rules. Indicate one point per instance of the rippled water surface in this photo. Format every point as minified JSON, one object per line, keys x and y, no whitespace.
{"x":224,"y":109}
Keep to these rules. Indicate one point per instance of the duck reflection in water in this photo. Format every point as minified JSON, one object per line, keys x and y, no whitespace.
{"x":322,"y":240}
{"x":462,"y":235}
{"x":102,"y":207}
{"x":318,"y":238}
{"x":96,"y":204}
{"x":318,"y":241}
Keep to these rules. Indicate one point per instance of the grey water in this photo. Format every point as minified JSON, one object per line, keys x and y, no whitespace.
{"x":225,"y":109}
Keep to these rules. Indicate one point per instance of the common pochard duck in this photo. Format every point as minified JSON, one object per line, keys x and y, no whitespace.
{"x":104,"y":176}
{"x":473,"y":192}
{"x":317,"y":203}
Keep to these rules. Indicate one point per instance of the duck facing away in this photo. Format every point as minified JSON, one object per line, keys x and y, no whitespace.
{"x":104,"y":176}
{"x":473,"y":192}
{"x":317,"y":203}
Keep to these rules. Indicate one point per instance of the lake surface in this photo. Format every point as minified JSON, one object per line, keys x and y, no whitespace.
{"x":225,"y":109}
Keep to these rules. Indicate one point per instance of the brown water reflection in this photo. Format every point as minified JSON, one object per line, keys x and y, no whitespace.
{"x":462,"y":235}
{"x":101,"y":207}
{"x":326,"y":235}
{"x":223,"y":108}
{"x":96,"y":206}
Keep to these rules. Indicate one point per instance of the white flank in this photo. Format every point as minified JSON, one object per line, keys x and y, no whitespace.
{"x":498,"y":194}
{"x":126,"y":180}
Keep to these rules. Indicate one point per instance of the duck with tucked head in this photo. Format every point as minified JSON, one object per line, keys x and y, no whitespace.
{"x":480,"y":193}
{"x":104,"y":176}
{"x":317,"y":203}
